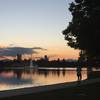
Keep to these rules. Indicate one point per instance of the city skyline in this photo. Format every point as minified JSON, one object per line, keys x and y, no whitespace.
{"x":36,"y":23}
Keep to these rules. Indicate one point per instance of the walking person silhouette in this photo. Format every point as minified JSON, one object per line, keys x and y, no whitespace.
{"x":79,"y":75}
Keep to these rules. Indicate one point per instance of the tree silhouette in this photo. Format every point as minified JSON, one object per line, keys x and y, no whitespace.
{"x":83,"y":32}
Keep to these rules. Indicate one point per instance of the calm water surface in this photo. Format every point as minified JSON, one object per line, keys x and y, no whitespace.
{"x":11,"y":79}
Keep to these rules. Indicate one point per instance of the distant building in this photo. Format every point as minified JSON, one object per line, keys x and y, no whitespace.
{"x":46,"y":58}
{"x":19,"y":57}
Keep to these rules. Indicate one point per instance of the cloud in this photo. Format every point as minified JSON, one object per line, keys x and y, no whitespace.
{"x":38,"y":48}
{"x":13,"y":51}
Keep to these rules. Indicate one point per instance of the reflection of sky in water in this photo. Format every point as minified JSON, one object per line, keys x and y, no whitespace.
{"x":11,"y":79}
{"x":14,"y":80}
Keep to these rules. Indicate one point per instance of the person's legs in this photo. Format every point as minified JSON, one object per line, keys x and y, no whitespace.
{"x":78,"y":77}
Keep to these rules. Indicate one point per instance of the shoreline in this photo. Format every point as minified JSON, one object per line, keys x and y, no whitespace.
{"x":45,"y":68}
{"x":79,"y":89}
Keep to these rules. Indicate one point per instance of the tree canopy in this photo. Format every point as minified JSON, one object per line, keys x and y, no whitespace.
{"x":83,"y":32}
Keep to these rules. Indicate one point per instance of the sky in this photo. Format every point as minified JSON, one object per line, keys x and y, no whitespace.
{"x":36,"y":23}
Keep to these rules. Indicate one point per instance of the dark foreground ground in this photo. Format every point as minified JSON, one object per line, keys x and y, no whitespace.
{"x":80,"y":92}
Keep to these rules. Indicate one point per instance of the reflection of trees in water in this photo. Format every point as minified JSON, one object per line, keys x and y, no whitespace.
{"x":57,"y":72}
{"x":13,"y":77}
{"x":43,"y":72}
{"x":63,"y":72}
{"x":18,"y":73}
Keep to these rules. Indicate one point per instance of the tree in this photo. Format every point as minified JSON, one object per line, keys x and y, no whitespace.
{"x":83,"y":32}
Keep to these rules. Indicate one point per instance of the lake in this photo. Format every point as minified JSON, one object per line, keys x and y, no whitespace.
{"x":20,"y":78}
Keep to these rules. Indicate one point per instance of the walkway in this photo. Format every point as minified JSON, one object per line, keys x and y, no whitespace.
{"x":72,"y":90}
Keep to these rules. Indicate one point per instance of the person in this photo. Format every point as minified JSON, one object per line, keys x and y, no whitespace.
{"x":79,"y":76}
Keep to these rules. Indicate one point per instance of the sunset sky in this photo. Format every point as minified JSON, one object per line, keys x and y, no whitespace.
{"x":36,"y":23}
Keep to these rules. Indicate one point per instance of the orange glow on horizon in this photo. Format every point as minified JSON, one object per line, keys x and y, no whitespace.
{"x":61,"y":53}
{"x":53,"y":52}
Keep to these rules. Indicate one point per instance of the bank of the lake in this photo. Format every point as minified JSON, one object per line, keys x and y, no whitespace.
{"x":86,"y":89}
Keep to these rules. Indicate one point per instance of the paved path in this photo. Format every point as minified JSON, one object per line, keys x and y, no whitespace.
{"x":83,"y":89}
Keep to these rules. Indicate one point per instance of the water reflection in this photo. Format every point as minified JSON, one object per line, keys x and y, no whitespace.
{"x":10,"y":79}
